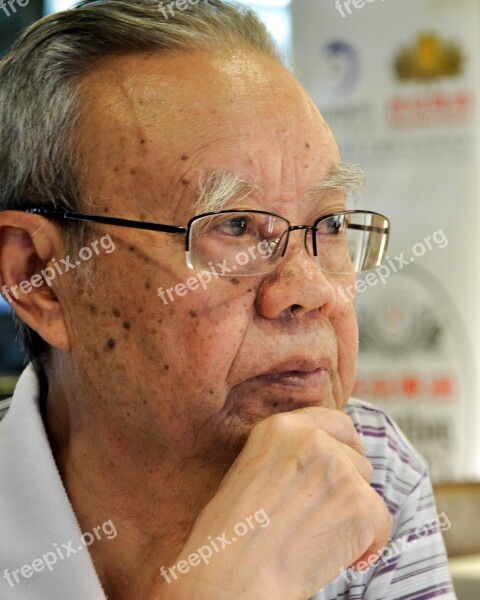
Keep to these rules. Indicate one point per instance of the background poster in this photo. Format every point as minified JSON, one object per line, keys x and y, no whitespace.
{"x":398,"y":82}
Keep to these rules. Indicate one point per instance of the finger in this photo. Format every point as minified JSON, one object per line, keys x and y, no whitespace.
{"x":363,"y":465}
{"x":334,"y":422}
{"x":382,"y":537}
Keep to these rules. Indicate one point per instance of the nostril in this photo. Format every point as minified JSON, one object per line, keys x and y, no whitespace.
{"x":293,"y":309}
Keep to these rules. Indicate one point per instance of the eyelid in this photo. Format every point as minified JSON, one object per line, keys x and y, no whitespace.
{"x":329,"y":212}
{"x":242,"y":208}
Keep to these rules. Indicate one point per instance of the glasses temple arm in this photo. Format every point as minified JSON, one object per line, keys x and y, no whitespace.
{"x":368,"y":228}
{"x":64,"y":214}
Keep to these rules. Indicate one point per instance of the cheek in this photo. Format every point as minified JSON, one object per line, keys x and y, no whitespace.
{"x":346,"y":329}
{"x":348,"y":341}
{"x":216,"y":329}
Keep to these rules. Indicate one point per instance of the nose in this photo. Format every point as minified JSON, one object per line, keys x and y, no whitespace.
{"x":296,"y":282}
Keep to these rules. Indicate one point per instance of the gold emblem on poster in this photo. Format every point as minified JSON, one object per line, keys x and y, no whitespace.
{"x":429,"y":58}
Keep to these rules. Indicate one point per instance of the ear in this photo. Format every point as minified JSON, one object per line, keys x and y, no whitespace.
{"x":27,"y":277}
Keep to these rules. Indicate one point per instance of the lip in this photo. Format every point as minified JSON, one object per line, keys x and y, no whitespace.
{"x":289,"y":406}
{"x":298,"y":373}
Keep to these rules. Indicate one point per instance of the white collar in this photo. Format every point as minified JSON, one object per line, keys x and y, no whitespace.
{"x":35,"y":512}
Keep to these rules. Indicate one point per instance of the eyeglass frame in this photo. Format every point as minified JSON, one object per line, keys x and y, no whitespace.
{"x":173,"y":229}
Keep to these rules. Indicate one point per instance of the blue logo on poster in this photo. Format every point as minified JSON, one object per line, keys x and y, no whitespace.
{"x":341,"y":68}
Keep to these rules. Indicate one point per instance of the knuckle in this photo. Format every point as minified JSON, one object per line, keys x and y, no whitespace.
{"x":364,"y":513}
{"x":345,"y":423}
{"x":348,"y":427}
{"x":316,"y":441}
{"x":318,"y":446}
{"x":344,"y":420}
{"x":341,"y":472}
{"x":276,"y":424}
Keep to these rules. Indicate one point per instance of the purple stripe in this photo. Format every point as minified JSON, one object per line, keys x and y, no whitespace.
{"x":429,"y":593}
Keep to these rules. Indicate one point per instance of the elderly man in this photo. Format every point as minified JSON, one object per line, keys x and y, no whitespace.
{"x":174,"y":241}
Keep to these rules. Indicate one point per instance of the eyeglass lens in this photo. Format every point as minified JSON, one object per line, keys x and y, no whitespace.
{"x":252,"y":243}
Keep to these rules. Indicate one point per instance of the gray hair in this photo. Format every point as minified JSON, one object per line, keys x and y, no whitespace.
{"x":40,"y":103}
{"x":219,"y":190}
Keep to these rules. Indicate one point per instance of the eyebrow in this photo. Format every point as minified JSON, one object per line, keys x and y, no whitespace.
{"x":343,"y":177}
{"x":216,"y":189}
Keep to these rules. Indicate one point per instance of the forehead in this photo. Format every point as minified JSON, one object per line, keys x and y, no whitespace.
{"x":153,"y":122}
{"x":194,"y":80}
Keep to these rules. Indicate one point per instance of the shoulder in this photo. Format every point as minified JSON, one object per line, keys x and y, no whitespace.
{"x":398,"y":467}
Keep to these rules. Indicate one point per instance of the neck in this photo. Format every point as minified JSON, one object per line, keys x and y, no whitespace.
{"x":151,"y":504}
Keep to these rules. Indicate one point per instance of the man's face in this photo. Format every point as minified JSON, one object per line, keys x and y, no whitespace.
{"x":195,"y":374}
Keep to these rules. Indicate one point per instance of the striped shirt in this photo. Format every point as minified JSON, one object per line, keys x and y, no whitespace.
{"x":413,"y":565}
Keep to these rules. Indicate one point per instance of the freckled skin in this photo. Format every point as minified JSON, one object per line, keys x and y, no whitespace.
{"x":186,"y":372}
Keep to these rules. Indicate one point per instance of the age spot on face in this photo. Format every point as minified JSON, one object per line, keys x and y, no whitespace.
{"x":110,"y":344}
{"x":116,"y":313}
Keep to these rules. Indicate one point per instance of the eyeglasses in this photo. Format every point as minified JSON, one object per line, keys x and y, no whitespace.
{"x":239,"y":243}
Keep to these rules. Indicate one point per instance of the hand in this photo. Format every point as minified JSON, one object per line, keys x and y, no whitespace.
{"x":307,"y":470}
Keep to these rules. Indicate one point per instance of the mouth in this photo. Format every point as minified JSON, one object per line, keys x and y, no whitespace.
{"x":297,"y":378}
{"x":297,"y":372}
{"x":299,"y":381}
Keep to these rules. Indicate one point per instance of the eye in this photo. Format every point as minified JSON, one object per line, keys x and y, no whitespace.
{"x":235,"y":227}
{"x":332,"y":226}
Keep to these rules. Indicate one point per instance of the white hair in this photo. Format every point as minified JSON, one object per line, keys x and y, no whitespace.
{"x":218,"y":190}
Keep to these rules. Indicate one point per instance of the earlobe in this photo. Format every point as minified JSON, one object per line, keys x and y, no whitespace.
{"x":27,"y":244}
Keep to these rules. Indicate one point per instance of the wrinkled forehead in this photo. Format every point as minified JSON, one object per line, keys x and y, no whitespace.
{"x":155,"y":125}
